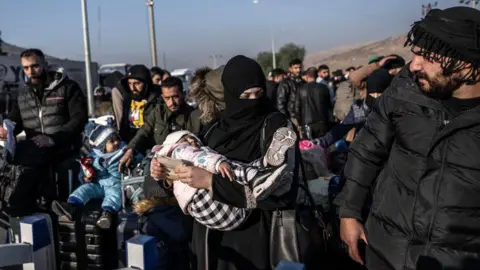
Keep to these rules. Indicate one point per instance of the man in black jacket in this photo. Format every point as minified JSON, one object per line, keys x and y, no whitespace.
{"x":277,"y":76}
{"x":312,"y":106}
{"x":133,"y":99}
{"x":287,"y":90}
{"x":52,"y":112}
{"x":418,"y":152}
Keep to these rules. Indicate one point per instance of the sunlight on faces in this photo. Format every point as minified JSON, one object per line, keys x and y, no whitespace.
{"x":430,"y":78}
{"x":190,"y":140}
{"x":113,"y":144}
{"x":295,"y":70}
{"x":173,"y":97}
{"x":252,"y":93}
{"x":33,"y":67}
{"x":324,"y":73}
{"x":157,"y":79}
{"x":136,"y":86}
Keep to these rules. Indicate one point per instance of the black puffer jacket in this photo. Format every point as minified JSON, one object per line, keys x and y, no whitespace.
{"x":61,"y":113}
{"x":286,"y":96}
{"x":424,"y":166}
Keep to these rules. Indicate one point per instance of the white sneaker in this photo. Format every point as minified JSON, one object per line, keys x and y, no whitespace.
{"x":270,"y":182}
{"x":282,"y":140}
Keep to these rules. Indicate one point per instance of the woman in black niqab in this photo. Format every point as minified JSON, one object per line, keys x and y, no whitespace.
{"x":237,"y":134}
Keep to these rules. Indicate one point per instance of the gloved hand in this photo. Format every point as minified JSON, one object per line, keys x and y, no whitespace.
{"x":43,"y":141}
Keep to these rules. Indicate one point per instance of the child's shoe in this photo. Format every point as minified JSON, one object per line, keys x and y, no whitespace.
{"x":64,"y":211}
{"x":282,"y":140}
{"x":105,"y":220}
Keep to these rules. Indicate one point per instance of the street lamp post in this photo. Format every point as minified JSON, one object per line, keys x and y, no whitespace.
{"x":473,"y":3}
{"x":272,"y":39}
{"x":153,"y":40}
{"x":88,"y":60}
{"x":428,"y":7}
{"x":215,"y":57}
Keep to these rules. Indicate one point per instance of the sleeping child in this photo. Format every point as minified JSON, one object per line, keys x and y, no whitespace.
{"x":270,"y":175}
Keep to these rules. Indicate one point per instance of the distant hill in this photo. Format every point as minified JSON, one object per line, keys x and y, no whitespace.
{"x":357,"y":55}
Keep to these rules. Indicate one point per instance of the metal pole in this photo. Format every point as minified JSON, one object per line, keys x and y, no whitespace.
{"x":274,"y":56}
{"x":88,"y":60}
{"x":474,"y":3}
{"x":153,"y":40}
{"x":164,"y":61}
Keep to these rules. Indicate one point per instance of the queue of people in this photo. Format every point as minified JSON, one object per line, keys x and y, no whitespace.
{"x":225,"y":182}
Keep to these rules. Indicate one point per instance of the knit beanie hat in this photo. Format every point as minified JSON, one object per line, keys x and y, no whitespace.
{"x":100,"y":136}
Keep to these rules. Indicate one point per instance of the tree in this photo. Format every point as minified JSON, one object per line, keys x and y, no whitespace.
{"x":287,"y":53}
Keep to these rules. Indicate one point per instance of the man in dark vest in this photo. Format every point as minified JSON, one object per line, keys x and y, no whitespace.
{"x":52,"y":112}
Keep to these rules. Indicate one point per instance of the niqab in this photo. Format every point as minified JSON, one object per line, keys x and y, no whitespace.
{"x":237,"y":134}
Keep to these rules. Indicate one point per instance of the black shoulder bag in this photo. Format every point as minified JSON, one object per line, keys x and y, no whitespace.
{"x":298,"y":234}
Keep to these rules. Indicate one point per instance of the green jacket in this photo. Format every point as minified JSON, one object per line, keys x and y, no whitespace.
{"x":159,"y":124}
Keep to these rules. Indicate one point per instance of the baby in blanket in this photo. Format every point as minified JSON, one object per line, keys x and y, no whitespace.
{"x":263,"y":177}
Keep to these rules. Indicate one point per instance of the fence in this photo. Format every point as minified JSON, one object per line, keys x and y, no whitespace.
{"x":35,"y":249}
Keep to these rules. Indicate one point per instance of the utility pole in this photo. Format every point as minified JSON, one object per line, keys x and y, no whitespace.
{"x":153,"y":40}
{"x":215,"y":57}
{"x":164,"y":61}
{"x":473,"y":3}
{"x":88,"y":60}
{"x":272,"y":40}
{"x":428,"y":7}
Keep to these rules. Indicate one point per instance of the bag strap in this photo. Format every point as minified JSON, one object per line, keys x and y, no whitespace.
{"x":304,"y":182}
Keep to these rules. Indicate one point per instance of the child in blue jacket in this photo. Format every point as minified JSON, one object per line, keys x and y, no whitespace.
{"x":103,"y":182}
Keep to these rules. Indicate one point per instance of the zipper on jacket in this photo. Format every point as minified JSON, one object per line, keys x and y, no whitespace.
{"x":437,"y":194}
{"x":441,"y":122}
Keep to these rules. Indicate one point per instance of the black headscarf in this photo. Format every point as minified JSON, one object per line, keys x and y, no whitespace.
{"x":237,"y":134}
{"x":453,"y":35}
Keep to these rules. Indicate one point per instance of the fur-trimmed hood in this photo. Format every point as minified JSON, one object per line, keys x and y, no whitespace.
{"x":207,"y":91}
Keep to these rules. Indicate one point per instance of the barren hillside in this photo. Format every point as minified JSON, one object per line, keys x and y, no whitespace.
{"x":358,"y":55}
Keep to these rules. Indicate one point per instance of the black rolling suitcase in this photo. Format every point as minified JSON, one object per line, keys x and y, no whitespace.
{"x":84,"y":246}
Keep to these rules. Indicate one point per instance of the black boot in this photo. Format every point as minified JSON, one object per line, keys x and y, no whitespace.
{"x":64,"y":211}
{"x":105,"y":221}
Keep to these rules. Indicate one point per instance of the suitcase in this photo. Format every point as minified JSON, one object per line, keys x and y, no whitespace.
{"x":84,"y":246}
{"x":129,"y":223}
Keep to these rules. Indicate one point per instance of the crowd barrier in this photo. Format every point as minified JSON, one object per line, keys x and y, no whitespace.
{"x":34,"y":249}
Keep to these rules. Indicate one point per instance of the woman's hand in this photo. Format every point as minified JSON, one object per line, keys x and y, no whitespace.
{"x":156,"y":170}
{"x":194,"y":177}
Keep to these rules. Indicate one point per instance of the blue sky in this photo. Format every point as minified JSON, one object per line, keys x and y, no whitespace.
{"x":188,"y":31}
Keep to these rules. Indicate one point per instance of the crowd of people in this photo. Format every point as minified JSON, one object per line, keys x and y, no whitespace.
{"x":231,"y":171}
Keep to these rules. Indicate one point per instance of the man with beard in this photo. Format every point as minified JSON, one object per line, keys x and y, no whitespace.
{"x":287,"y":90}
{"x":418,"y":153}
{"x":133,"y":99}
{"x":52,"y":112}
{"x":173,"y":114}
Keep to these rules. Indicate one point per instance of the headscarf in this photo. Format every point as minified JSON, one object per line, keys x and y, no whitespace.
{"x":453,"y":36}
{"x":237,"y":134}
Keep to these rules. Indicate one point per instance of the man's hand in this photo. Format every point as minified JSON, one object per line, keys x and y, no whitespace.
{"x":384,"y":60}
{"x":3,"y":133}
{"x":194,"y":177}
{"x":156,"y":170}
{"x":126,"y":160}
{"x":43,"y":141}
{"x":351,"y":231}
